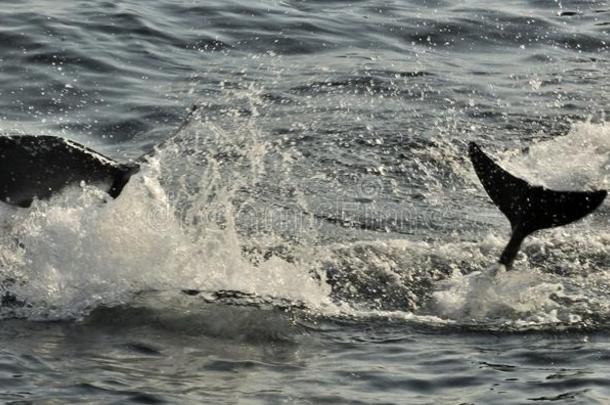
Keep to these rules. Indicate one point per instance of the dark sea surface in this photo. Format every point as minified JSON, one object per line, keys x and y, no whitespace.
{"x":320,"y":201}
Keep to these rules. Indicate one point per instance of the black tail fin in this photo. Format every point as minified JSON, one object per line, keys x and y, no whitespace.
{"x":529,"y":208}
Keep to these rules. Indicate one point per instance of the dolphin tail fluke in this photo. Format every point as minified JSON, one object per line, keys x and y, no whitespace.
{"x":529,"y":208}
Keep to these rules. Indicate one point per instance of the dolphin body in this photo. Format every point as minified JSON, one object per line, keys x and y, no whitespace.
{"x":529,"y":208}
{"x":39,"y":166}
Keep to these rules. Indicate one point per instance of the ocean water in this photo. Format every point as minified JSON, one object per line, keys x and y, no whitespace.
{"x":320,"y":202}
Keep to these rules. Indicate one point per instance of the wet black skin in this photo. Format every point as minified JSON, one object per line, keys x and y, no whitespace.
{"x":40,"y":166}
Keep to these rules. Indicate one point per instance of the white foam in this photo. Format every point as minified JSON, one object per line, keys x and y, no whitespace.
{"x":494,"y":293}
{"x":578,"y":160}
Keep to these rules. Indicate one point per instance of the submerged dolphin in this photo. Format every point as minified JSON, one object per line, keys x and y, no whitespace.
{"x":529,"y":208}
{"x":39,"y":166}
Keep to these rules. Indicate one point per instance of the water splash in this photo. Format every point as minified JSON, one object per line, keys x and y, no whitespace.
{"x":578,"y":160}
{"x":174,"y":227}
{"x":198,"y":216}
{"x":552,"y":281}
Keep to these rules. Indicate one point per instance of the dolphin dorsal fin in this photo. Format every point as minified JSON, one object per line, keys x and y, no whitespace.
{"x":529,"y":208}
